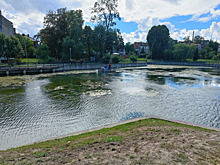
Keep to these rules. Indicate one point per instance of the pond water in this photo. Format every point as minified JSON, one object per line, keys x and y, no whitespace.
{"x":55,"y":105}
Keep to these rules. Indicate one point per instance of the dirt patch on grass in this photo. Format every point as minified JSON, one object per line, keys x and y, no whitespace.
{"x":136,"y":143}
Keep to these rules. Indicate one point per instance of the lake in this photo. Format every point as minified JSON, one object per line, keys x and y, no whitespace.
{"x":52,"y":105}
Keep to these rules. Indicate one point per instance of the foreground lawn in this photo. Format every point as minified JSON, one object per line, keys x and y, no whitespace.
{"x":150,"y":141}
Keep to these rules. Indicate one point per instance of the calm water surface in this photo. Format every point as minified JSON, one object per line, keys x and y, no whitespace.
{"x":61,"y":104}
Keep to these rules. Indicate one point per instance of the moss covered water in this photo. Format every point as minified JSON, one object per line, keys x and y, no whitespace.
{"x":46,"y":106}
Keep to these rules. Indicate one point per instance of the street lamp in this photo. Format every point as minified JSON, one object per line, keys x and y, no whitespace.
{"x":70,"y":55}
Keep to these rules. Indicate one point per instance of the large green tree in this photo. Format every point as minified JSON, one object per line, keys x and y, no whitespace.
{"x":76,"y":48}
{"x":43,"y":52}
{"x":2,"y":44}
{"x":158,"y":38}
{"x":13,"y":48}
{"x":105,"y":13}
{"x":88,"y":38}
{"x":100,"y":40}
{"x":55,"y":30}
{"x":27,"y":45}
{"x":58,"y":25}
{"x":183,"y":51}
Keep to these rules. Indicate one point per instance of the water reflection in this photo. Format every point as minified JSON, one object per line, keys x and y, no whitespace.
{"x":61,"y":104}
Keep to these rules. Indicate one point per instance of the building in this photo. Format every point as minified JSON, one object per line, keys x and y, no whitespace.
{"x":35,"y":42}
{"x":6,"y":26}
{"x":141,"y":47}
{"x":219,"y":49}
{"x":198,"y":46}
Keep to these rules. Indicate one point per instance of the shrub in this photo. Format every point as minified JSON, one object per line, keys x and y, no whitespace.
{"x":106,"y":59}
{"x":116,"y":59}
{"x":133,"y":58}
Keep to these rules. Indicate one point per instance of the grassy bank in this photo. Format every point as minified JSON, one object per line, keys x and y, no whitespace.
{"x":149,"y":141}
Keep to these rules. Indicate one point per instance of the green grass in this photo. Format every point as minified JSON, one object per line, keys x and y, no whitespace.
{"x":100,"y":135}
{"x":209,"y":61}
{"x":29,"y":60}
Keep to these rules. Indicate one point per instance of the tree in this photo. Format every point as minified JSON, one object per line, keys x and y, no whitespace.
{"x":196,"y":55}
{"x":27,"y":44}
{"x":183,"y":51}
{"x":187,"y":40}
{"x":198,"y":39}
{"x":88,"y":38}
{"x":43,"y":52}
{"x":13,"y":48}
{"x":100,"y":40}
{"x":158,"y":38}
{"x":129,"y":48}
{"x":116,"y":59}
{"x":105,"y":13}
{"x":2,"y":44}
{"x":55,"y":30}
{"x":133,"y":58}
{"x":106,"y":59}
{"x":76,"y":47}
{"x":214,"y":45}
{"x":205,"y":53}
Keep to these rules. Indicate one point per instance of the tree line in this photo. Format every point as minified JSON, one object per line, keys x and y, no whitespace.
{"x":16,"y":46}
{"x":65,"y":37}
{"x":163,"y":47}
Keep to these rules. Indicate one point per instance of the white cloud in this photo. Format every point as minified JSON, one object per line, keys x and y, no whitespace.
{"x":213,"y":32}
{"x":162,"y":9}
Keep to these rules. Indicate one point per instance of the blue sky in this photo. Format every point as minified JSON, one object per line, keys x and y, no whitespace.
{"x":182,"y":17}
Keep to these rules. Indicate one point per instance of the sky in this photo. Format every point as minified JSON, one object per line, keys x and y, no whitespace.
{"x":182,"y":17}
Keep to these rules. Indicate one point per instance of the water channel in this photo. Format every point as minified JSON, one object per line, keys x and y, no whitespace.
{"x":53,"y":105}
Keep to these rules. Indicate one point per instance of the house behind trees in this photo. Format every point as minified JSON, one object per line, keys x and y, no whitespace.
{"x":141,"y":47}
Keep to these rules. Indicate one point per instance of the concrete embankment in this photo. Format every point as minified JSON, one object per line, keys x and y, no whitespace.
{"x":185,"y":64}
{"x":7,"y":71}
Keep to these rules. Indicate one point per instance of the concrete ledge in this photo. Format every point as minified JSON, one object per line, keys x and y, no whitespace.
{"x":125,"y":122}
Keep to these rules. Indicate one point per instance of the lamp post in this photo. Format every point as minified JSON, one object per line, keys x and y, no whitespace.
{"x":70,"y":55}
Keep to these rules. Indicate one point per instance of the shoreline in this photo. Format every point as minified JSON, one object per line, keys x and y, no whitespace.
{"x":118,"y":124}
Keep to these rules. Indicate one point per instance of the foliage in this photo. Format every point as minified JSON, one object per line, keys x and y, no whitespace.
{"x":76,"y":48}
{"x":187,"y":40}
{"x":88,"y":39}
{"x":129,"y":48}
{"x":133,"y":58}
{"x":106,"y":59}
{"x":43,"y":52}
{"x":60,"y":24}
{"x":206,"y":53}
{"x":158,"y":38}
{"x":27,"y":44}
{"x":116,"y":59}
{"x":196,"y":55}
{"x":105,"y":13}
{"x":183,"y":51}
{"x":198,"y":39}
{"x":99,"y":40}
{"x":216,"y":57}
{"x":214,"y":45}
{"x":55,"y":30}
{"x":2,"y":44}
{"x":13,"y":48}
